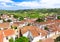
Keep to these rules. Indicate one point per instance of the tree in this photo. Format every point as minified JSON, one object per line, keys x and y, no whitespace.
{"x":39,"y":20}
{"x":15,"y":16}
{"x":21,"y":18}
{"x":58,"y":17}
{"x":46,"y":28}
{"x":11,"y":40}
{"x":13,"y":27}
{"x":1,"y":14}
{"x":9,"y":20}
{"x":57,"y":39}
{"x":0,"y":18}
{"x":28,"y":24}
{"x":22,"y":39}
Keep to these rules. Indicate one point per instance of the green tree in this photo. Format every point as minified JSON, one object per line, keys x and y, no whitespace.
{"x":21,"y":18}
{"x":11,"y":40}
{"x":22,"y":39}
{"x":57,"y":39}
{"x":58,"y":17}
{"x":15,"y":16}
{"x":39,"y":20}
{"x":46,"y":28}
{"x":9,"y":20}
{"x":0,"y":18}
{"x":13,"y":27}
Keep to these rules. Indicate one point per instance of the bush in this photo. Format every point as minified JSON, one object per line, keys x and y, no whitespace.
{"x":46,"y":28}
{"x":22,"y":39}
{"x":21,"y":18}
{"x":39,"y":20}
{"x":15,"y":16}
{"x":11,"y":40}
{"x":0,"y":18}
{"x":13,"y":27}
{"x":58,"y":17}
{"x":57,"y":39}
{"x":9,"y":20}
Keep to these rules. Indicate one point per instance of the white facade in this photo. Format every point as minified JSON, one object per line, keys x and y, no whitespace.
{"x":6,"y":39}
{"x":1,"y":21}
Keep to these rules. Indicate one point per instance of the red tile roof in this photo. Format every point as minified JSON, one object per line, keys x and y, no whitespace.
{"x":1,"y":36}
{"x":4,"y":25}
{"x":34,"y":30}
{"x":49,"y":22}
{"x":4,"y":33}
{"x":29,"y":20}
{"x":8,"y":32}
{"x":54,"y":27}
{"x":57,"y":21}
{"x":48,"y":40}
{"x":17,"y":23}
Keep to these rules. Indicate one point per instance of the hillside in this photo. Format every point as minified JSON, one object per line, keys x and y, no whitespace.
{"x":32,"y":13}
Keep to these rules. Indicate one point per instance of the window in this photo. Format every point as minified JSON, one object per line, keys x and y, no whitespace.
{"x":7,"y":38}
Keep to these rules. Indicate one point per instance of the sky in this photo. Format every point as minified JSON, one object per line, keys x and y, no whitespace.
{"x":28,"y":4}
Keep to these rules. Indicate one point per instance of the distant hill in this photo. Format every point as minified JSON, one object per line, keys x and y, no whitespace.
{"x":31,"y":12}
{"x":56,"y":10}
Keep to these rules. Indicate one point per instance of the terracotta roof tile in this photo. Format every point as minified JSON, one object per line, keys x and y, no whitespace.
{"x":4,"y":25}
{"x":4,"y":33}
{"x":1,"y":36}
{"x":30,"y":20}
{"x":8,"y":32}
{"x":54,"y":27}
{"x":34,"y":30}
{"x":17,"y":23}
{"x":48,"y":40}
{"x":57,"y":20}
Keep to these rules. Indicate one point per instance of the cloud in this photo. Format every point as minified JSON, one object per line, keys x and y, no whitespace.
{"x":50,"y":3}
{"x":11,"y":5}
{"x":28,"y":4}
{"x":6,"y":1}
